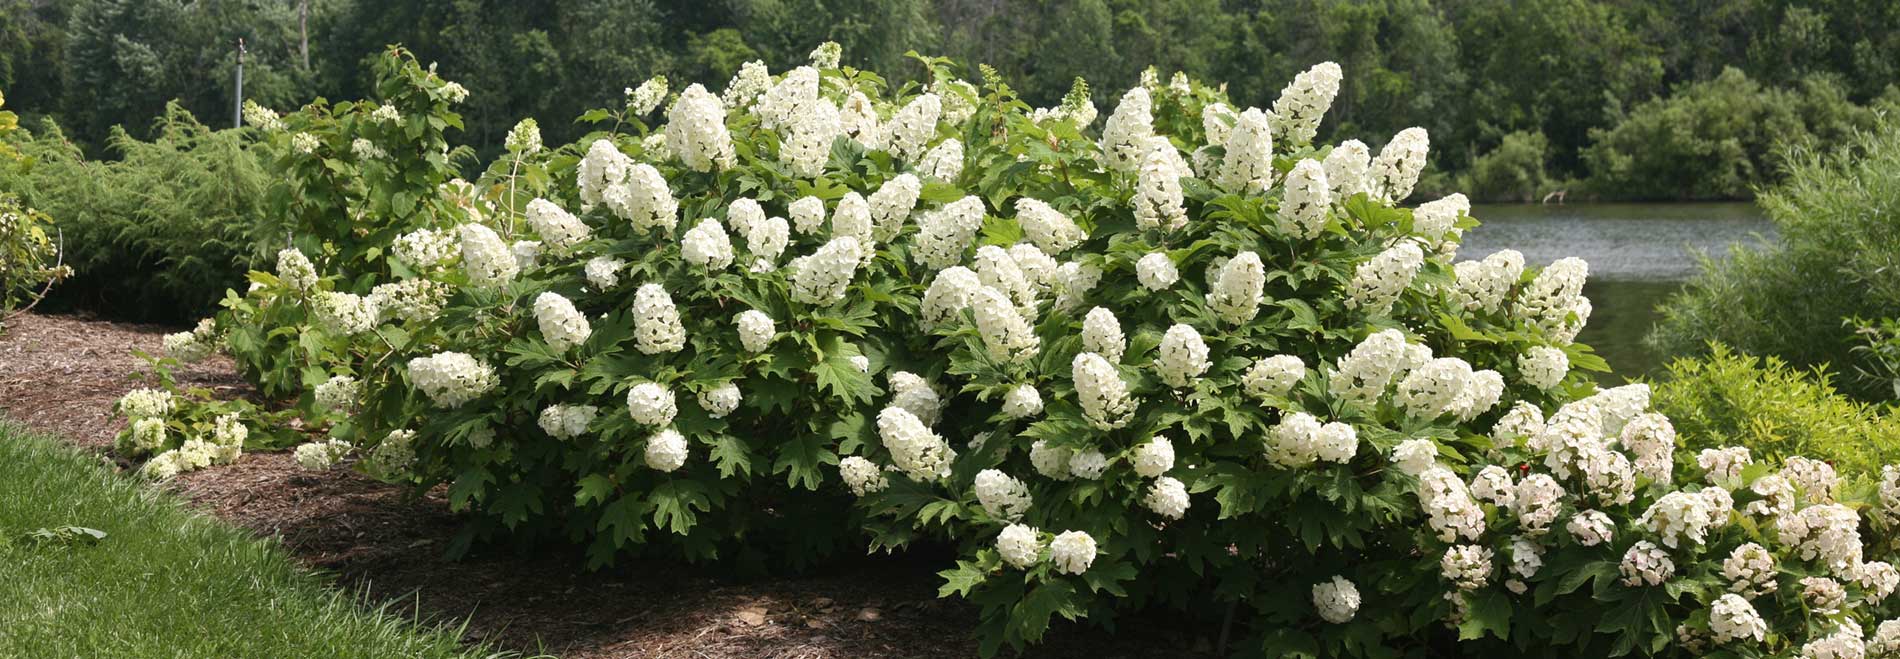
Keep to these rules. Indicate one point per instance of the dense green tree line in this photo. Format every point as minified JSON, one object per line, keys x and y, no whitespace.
{"x":1521,"y":98}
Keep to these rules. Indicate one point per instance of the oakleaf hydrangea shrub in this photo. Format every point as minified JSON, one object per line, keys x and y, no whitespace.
{"x":1189,"y":359}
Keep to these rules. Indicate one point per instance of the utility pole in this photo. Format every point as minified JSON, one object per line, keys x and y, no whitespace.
{"x":237,"y":103}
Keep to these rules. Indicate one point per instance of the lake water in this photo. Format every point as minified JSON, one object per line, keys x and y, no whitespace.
{"x":1638,"y":255}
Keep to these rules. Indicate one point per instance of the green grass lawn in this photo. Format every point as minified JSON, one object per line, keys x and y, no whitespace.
{"x":165,"y":581}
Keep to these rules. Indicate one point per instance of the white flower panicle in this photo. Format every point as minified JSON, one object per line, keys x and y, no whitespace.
{"x":1678,"y":516}
{"x":1482,"y":285}
{"x":338,"y":394}
{"x":1733,"y":619}
{"x":1182,"y":356}
{"x":1815,"y":479}
{"x":1154,"y":457}
{"x":1348,"y":169}
{"x":892,"y":203}
{"x":424,"y":250}
{"x":1337,"y":600}
{"x":1102,"y":334}
{"x":567,"y":421}
{"x":451,"y":379}
{"x":561,"y":324}
{"x":1159,"y":204}
{"x":1273,"y":377}
{"x":1543,"y":366}
{"x":1125,"y":135}
{"x":1051,"y":231}
{"x":1051,"y":461}
{"x":1304,"y":101}
{"x":696,"y":131}
{"x":1248,"y":165}
{"x":721,"y":400}
{"x":1555,"y":297}
{"x":1450,"y":510}
{"x":1823,"y":595}
{"x":601,"y":175}
{"x":1072,"y":552}
{"x":706,"y":245}
{"x":1537,"y":502}
{"x":1750,"y":570}
{"x":1167,"y":497}
{"x":1039,"y":268}
{"x":1308,"y":197}
{"x":919,"y":453}
{"x":603,"y":272}
{"x":767,"y":241}
{"x":912,"y":392}
{"x":1006,"y":335}
{"x":746,"y":85}
{"x":1001,"y":496}
{"x":944,"y":162}
{"x":785,"y":102}
{"x":1431,"y":391}
{"x":1377,"y":283}
{"x":666,"y":450}
{"x":1101,"y":392}
{"x":146,"y":403}
{"x":1156,"y":271}
{"x":1396,"y":169}
{"x":646,"y":201}
{"x":485,"y":258}
{"x":1467,"y":567}
{"x":294,"y":270}
{"x":852,"y":217}
{"x":1877,"y":580}
{"x":952,"y":291}
{"x":1364,"y":373}
{"x":1239,"y":288}
{"x":648,"y":96}
{"x":997,"y":269}
{"x":656,"y":322}
{"x":527,"y":253}
{"x":1493,"y":485}
{"x":858,"y":117}
{"x":322,"y":455}
{"x":1591,"y":528}
{"x":1020,"y":546}
{"x":1828,"y":533}
{"x":558,"y":229}
{"x":944,"y":234}
{"x":807,"y":145}
{"x":1022,"y":402}
{"x":910,"y":131}
{"x":651,"y":404}
{"x":862,"y":476}
{"x":823,"y":277}
{"x":1217,"y":122}
{"x":1646,"y":564}
{"x":195,"y":345}
{"x":1724,"y":466}
{"x":1436,"y":221}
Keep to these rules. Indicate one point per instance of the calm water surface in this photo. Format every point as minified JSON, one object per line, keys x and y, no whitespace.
{"x":1638,"y":255}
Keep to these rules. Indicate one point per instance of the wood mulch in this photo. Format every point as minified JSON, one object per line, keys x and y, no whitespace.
{"x":61,"y":375}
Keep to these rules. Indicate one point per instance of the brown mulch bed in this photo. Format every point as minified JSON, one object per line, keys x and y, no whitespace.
{"x":61,"y":374}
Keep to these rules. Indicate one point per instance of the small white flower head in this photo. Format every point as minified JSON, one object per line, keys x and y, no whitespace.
{"x":1308,"y":198}
{"x":1678,"y":516}
{"x":806,"y":148}
{"x":1336,"y":442}
{"x":721,"y":400}
{"x":1087,"y":464}
{"x":1248,"y":165}
{"x":666,"y":450}
{"x":1167,"y":497}
{"x":1072,"y":552}
{"x":567,"y":421}
{"x":1304,"y":101}
{"x":1823,"y":595}
{"x":1723,"y":466}
{"x":451,"y":379}
{"x":1072,"y":282}
{"x":696,"y":129}
{"x":527,"y":253}
{"x":1449,"y":508}
{"x":892,"y":203}
{"x":858,"y":117}
{"x":1828,"y":533}
{"x":146,"y":403}
{"x":706,"y":245}
{"x":1750,"y":570}
{"x":1543,"y":366}
{"x":1363,"y":374}
{"x":561,"y":324}
{"x":1396,"y":169}
{"x":952,"y":291}
{"x":1591,"y":528}
{"x":1877,"y":580}
{"x":454,"y":92}
{"x":146,"y":434}
{"x":852,"y":217}
{"x":656,"y":322}
{"x":1523,"y":421}
{"x":601,"y":175}
{"x":1217,"y":122}
{"x":1051,"y":231}
{"x":756,"y":330}
{"x":1050,"y":461}
{"x":603,"y":272}
{"x":998,"y":270}
{"x":1154,"y":457}
{"x":746,"y":85}
{"x":366,"y":151}
{"x":559,"y":230}
{"x":1527,"y":557}
{"x":648,"y":96}
{"x":862,"y":476}
{"x":919,"y":453}
{"x":743,"y":214}
{"x":322,"y":455}
{"x":1182,"y":357}
{"x":1101,"y":391}
{"x":1020,"y":546}
{"x":1336,"y":600}
{"x":337,"y":395}
{"x":1815,"y":479}
{"x":1239,"y":288}
{"x":304,"y":143}
{"x":944,"y":234}
{"x":1007,"y":336}
{"x":911,"y":130}
{"x":943,"y":163}
{"x":1125,"y":135}
{"x":1537,"y":502}
{"x":912,"y":392}
{"x":1414,"y":456}
{"x":1377,"y":283}
{"x":1433,"y":390}
{"x":1348,"y":169}
{"x":1646,"y":564}
{"x":195,"y":345}
{"x":295,"y":271}
{"x":485,"y":258}
{"x":1003,"y":497}
{"x":1493,"y":485}
{"x":261,"y":117}
{"x":1294,"y":441}
{"x":1102,"y":334}
{"x":767,"y":242}
{"x":644,"y":200}
{"x":1481,"y":286}
{"x":1022,"y":402}
{"x":1273,"y":377}
{"x":1467,"y":567}
{"x":1039,"y":268}
{"x":1435,"y":222}
{"x":651,"y":404}
{"x":1554,"y":300}
{"x":1733,"y":619}
{"x":1156,"y":271}
{"x":1845,"y":642}
{"x":1886,"y":641}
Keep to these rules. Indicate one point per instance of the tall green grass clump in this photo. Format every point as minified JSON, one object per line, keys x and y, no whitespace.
{"x":1775,"y":410}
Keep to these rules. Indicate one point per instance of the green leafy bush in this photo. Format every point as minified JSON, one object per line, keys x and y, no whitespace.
{"x":1838,"y":216}
{"x":1715,"y":139}
{"x":29,"y":251}
{"x":1514,"y":171}
{"x":157,"y":234}
{"x":1727,"y":398}
{"x":1194,"y":360}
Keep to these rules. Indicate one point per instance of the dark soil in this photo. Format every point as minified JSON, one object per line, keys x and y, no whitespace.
{"x":61,"y":375}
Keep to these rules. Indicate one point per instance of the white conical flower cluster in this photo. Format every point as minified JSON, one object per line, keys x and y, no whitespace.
{"x":1239,"y":288}
{"x":451,"y":379}
{"x":559,"y":230}
{"x":1051,"y":231}
{"x":1364,"y":373}
{"x":561,"y":324}
{"x":1308,"y":198}
{"x":1020,"y":546}
{"x":892,"y":203}
{"x":344,"y":313}
{"x":1182,"y":356}
{"x":706,"y":245}
{"x":1377,"y":283}
{"x":1348,"y":169}
{"x":1102,"y":334}
{"x":1396,"y":169}
{"x":294,"y":270}
{"x":1101,"y":392}
{"x":1158,"y":200}
{"x":1337,"y":600}
{"x":721,"y":400}
{"x":1554,"y":300}
{"x":1156,"y":271}
{"x":949,"y":294}
{"x":822,"y":278}
{"x":426,"y":249}
{"x":756,"y":330}
{"x":1273,"y":377}
{"x":919,"y":453}
{"x":603,"y":272}
{"x":1125,"y":135}
{"x":1002,"y":496}
{"x":666,"y":450}
{"x":651,"y":404}
{"x":911,"y":130}
{"x":751,"y":80}
{"x":944,"y":162}
{"x":1483,"y":285}
{"x":1296,"y":114}
{"x":1248,"y":165}
{"x":862,"y":476}
{"x":1167,"y":497}
{"x":945,"y":233}
{"x":656,"y":322}
{"x":808,"y":138}
{"x":915,"y":394}
{"x":567,"y":421}
{"x":1006,"y":334}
